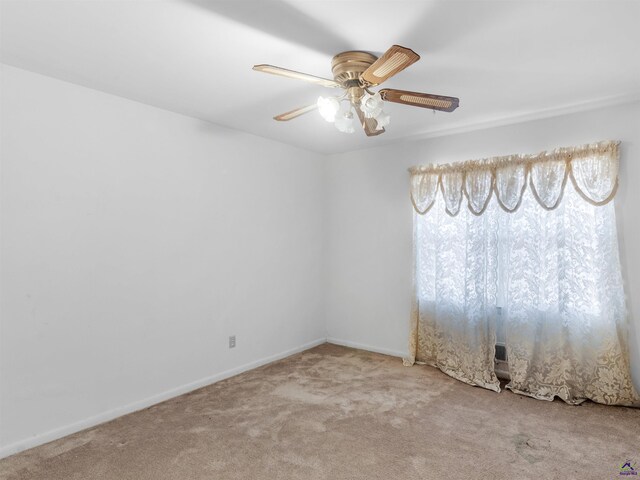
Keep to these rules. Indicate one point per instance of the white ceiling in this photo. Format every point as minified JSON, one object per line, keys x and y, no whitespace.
{"x":503,"y":59}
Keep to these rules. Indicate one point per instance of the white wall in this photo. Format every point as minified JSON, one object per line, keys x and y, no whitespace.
{"x":369,"y":230}
{"x":134,"y":242}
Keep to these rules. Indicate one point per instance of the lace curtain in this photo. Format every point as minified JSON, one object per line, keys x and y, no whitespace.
{"x":542,"y":254}
{"x":593,"y":170}
{"x":456,"y":284}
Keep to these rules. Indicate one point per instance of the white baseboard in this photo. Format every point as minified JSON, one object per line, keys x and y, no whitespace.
{"x":362,"y":346}
{"x":60,"y":432}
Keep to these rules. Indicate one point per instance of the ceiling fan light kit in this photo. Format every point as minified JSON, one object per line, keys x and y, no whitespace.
{"x":333,"y":110}
{"x":356,"y":72}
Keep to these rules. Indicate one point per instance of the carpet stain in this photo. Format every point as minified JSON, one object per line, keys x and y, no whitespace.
{"x":531,"y":449}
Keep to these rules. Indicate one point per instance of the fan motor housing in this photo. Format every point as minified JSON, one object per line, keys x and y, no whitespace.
{"x":348,"y":66}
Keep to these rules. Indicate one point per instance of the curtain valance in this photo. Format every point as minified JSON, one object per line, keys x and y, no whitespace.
{"x":593,"y":170}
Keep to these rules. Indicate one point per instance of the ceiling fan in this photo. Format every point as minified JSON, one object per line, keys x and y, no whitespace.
{"x":356,"y":72}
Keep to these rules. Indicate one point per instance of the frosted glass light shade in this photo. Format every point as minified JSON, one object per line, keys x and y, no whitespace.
{"x":344,"y":121}
{"x":371,"y":105}
{"x":383,"y":119}
{"x":328,"y":107}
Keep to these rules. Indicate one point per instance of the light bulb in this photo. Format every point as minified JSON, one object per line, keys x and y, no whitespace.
{"x":328,"y":107}
{"x":344,"y":120}
{"x":382,"y":120}
{"x":371,"y":105}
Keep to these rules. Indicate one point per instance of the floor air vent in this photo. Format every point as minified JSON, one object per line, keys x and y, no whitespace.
{"x":501,"y":365}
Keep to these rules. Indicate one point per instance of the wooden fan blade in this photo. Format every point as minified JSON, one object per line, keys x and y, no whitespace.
{"x":283,"y":72}
{"x":283,"y":117}
{"x":394,"y":60}
{"x":417,"y":99}
{"x":368,"y":124}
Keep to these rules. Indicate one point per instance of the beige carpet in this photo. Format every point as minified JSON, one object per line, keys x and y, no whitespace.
{"x":338,"y":413}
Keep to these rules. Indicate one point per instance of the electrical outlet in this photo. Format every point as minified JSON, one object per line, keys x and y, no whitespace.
{"x":232,"y":341}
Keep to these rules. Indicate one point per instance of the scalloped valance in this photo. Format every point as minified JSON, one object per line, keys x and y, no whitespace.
{"x":593,"y":170}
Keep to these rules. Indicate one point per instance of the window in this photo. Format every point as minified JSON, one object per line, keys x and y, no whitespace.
{"x":542,"y":260}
